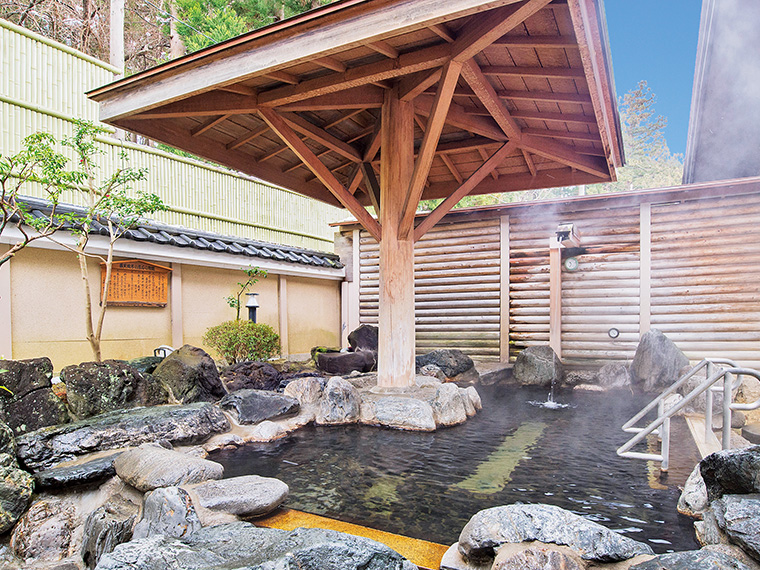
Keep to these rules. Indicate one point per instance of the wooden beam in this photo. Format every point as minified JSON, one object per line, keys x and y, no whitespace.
{"x":180,"y":138}
{"x":416,"y":84}
{"x":555,"y":298}
{"x":240,"y":90}
{"x":248,"y":137}
{"x":565,"y":155}
{"x":372,"y":184}
{"x":320,"y":135}
{"x":452,"y":167}
{"x":374,"y":144}
{"x":645,"y":268}
{"x":283,"y":76}
{"x":442,"y":32}
{"x":537,"y":41}
{"x":361,"y":134}
{"x":464,"y":145}
{"x":490,"y":26}
{"x":509,"y":71}
{"x":289,"y":136}
{"x":484,"y":157}
{"x":364,"y":97}
{"x":384,"y":48}
{"x":487,"y":95}
{"x":433,"y":130}
{"x":331,"y":63}
{"x":208,"y":124}
{"x":355,"y":178}
{"x":271,"y":154}
{"x":210,"y":104}
{"x":475,"y":178}
{"x":529,"y":162}
{"x":457,"y":117}
{"x":556,"y":117}
{"x":418,"y":60}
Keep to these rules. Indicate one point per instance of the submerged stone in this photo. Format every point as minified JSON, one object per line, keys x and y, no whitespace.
{"x":692,"y":560}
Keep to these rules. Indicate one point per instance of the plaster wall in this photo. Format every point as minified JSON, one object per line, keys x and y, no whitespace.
{"x":313,"y":314}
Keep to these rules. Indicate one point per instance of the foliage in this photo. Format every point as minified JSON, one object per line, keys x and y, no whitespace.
{"x":234,"y":301}
{"x":37,"y":163}
{"x":240,"y":340}
{"x":110,"y":203}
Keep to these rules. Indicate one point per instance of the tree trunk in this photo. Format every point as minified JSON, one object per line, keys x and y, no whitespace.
{"x":176,"y":45}
{"x":280,"y":11}
{"x":91,"y":337}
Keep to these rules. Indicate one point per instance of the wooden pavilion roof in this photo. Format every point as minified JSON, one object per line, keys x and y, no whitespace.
{"x":508,"y":95}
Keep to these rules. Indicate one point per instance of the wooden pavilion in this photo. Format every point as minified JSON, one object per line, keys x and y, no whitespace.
{"x":383,"y":103}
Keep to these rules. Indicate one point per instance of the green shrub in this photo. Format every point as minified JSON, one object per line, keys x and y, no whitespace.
{"x":237,"y":341}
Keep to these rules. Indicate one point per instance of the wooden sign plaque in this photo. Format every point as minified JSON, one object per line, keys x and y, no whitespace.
{"x":136,"y":283}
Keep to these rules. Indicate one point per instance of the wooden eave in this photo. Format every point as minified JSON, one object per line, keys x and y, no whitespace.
{"x":298,"y":103}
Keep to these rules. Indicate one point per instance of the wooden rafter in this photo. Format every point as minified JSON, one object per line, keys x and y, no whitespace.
{"x":451,"y":166}
{"x":484,"y":156}
{"x":544,"y":96}
{"x":363,"y":97}
{"x":490,"y":26}
{"x":442,"y":32}
{"x":416,"y":84}
{"x":246,"y":138}
{"x":284,"y":76}
{"x":555,"y":134}
{"x":208,"y":124}
{"x":331,"y":63}
{"x":564,"y":154}
{"x":343,"y":118}
{"x":372,"y":184}
{"x":537,"y":41}
{"x":529,"y":162}
{"x":384,"y":48}
{"x":472,"y":181}
{"x":433,"y":130}
{"x":487,"y":95}
{"x":321,"y":136}
{"x":460,"y":119}
{"x":427,"y":58}
{"x":373,"y":147}
{"x":549,"y":72}
{"x":289,"y":136}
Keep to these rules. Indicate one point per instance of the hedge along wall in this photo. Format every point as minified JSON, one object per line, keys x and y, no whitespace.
{"x":684,"y":260}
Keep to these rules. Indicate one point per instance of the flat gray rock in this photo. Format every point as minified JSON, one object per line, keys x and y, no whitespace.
{"x":247,"y":496}
{"x":79,"y":474}
{"x":493,"y":527}
{"x":692,"y":560}
{"x":242,"y":545}
{"x":184,"y":425}
{"x":254,"y":406}
{"x":151,"y":466}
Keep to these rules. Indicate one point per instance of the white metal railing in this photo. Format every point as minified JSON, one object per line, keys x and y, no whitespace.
{"x":732,"y":379}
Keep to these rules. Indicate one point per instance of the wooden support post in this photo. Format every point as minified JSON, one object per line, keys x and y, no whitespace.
{"x":555,"y":296}
{"x":396,"y":318}
{"x":282,"y":313}
{"x":504,"y":290}
{"x":6,"y":331}
{"x":178,"y":336}
{"x":645,"y":268}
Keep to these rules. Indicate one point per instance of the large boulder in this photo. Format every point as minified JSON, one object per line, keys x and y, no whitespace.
{"x":657,"y":362}
{"x":738,"y":516}
{"x":537,"y":366}
{"x":364,"y":337}
{"x":340,"y":403}
{"x":243,"y":545}
{"x":343,"y":363}
{"x":107,"y":526}
{"x":45,"y":532}
{"x":307,"y":390}
{"x":20,"y":377}
{"x":251,"y":375}
{"x":16,"y":488}
{"x":614,"y":375}
{"x":246,"y":496}
{"x":455,"y":364}
{"x":94,"y":388}
{"x":35,"y":410}
{"x":448,"y":405}
{"x":491,"y":528}
{"x":400,"y":412}
{"x":254,"y":406}
{"x":151,"y":466}
{"x":190,"y":424}
{"x":731,"y":472}
{"x":191,"y":375}
{"x":170,"y":512}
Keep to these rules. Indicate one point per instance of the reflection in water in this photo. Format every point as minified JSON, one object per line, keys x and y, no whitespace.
{"x":428,"y":485}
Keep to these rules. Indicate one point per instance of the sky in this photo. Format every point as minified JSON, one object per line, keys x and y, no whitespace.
{"x":656,"y":40}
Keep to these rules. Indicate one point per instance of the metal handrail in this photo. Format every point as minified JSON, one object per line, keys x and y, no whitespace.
{"x":663,"y":415}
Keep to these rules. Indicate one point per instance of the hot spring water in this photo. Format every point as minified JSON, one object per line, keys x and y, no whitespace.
{"x":428,"y":485}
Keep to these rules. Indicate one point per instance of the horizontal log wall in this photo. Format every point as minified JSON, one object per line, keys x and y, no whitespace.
{"x":457,"y":287}
{"x":602,"y":293}
{"x":706,"y":276}
{"x":694,"y":273}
